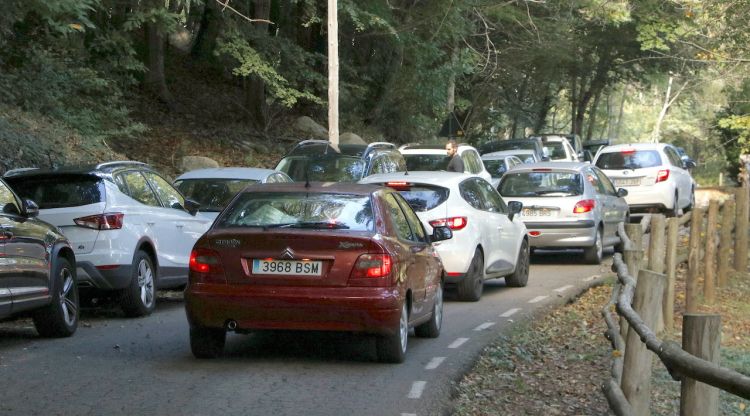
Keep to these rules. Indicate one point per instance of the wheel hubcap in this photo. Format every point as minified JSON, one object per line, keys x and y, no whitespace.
{"x":68,"y":297}
{"x":146,"y":283}
{"x":404,"y":327}
{"x":439,"y":307}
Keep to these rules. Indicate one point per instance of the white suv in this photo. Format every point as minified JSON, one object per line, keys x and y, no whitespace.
{"x":489,"y":239}
{"x":432,"y":157}
{"x":131,"y":231}
{"x":653,"y":174}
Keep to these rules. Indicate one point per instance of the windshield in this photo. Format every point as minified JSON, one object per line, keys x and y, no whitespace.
{"x":541,"y":184}
{"x":299,"y":210}
{"x":60,"y":191}
{"x":629,"y":160}
{"x":424,"y":197}
{"x":514,"y":145}
{"x":496,"y":168}
{"x":329,"y":168}
{"x":426,"y":162}
{"x":212,"y":194}
{"x":555,"y":150}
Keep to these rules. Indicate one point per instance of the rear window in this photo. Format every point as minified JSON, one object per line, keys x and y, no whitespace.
{"x":496,"y":168}
{"x":541,"y":184}
{"x":331,"y":168}
{"x":212,"y":194}
{"x":555,"y":150}
{"x":637,"y":159}
{"x":423,"y":197}
{"x":61,"y":191}
{"x":426,"y":162}
{"x":299,"y":210}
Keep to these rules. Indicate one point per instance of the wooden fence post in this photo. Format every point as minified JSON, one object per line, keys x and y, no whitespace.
{"x":694,"y":259}
{"x":636,"y":374}
{"x":701,"y":336}
{"x":656,"y":253}
{"x":740,"y":242}
{"x":709,"y":275}
{"x":632,"y":259}
{"x":725,"y":242}
{"x":673,"y":227}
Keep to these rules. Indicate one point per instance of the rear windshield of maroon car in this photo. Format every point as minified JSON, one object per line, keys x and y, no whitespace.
{"x":59,"y":191}
{"x":424,"y":197}
{"x":629,"y":159}
{"x":299,"y":210}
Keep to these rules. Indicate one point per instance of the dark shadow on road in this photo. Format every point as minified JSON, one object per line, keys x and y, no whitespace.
{"x":563,"y":257}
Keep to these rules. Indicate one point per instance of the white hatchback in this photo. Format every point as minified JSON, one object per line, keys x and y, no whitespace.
{"x":433,"y":157}
{"x":131,"y":231}
{"x":653,"y":174}
{"x":489,"y":239}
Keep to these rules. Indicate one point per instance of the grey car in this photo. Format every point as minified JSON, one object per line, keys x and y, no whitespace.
{"x":567,"y":205}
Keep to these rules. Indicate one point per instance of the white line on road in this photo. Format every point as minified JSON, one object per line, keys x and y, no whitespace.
{"x":416,"y":389}
{"x":563,"y":289}
{"x":457,"y":343}
{"x":484,"y":326}
{"x":510,"y":312}
{"x":538,"y":299}
{"x":434,"y":363}
{"x":408,"y":414}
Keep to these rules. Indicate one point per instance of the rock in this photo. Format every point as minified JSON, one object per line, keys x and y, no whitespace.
{"x":351,"y":138}
{"x":189,"y":163}
{"x":310,"y":129}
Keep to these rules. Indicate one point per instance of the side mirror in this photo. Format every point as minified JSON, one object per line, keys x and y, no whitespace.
{"x":622,"y":192}
{"x":688,"y":164}
{"x":514,"y":208}
{"x":440,"y":234}
{"x":191,"y":206}
{"x":30,"y":208}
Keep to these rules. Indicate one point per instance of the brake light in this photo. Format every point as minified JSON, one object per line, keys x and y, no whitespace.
{"x":662,"y":175}
{"x":627,"y":151}
{"x":106,"y":221}
{"x":398,"y":185}
{"x":584,"y":205}
{"x":372,"y":265}
{"x":454,"y":223}
{"x":205,"y":266}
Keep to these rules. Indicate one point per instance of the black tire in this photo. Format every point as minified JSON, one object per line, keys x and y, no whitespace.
{"x":207,"y":342}
{"x":431,"y":328}
{"x":60,"y":317}
{"x":520,"y":276}
{"x":471,"y":287}
{"x":392,"y":348}
{"x":139,"y":298}
{"x":593,"y":254}
{"x":675,"y":211}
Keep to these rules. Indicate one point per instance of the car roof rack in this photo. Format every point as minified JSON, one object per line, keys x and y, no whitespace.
{"x":115,"y":163}
{"x":16,"y":171}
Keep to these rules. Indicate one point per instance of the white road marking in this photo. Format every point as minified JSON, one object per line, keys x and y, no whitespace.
{"x":590,"y":278}
{"x":510,"y":312}
{"x":408,"y":414}
{"x":484,"y":326}
{"x":434,"y":363}
{"x":457,"y":343}
{"x":538,"y":299}
{"x":563,"y":289}
{"x":416,"y":389}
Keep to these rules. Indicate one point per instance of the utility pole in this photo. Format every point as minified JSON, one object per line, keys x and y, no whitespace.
{"x":333,"y":73}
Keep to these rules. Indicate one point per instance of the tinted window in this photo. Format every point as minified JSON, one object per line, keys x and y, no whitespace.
{"x":276,"y":178}
{"x":492,"y":199}
{"x":496,"y":168}
{"x":330,"y":168}
{"x":426,"y":162}
{"x":212,"y":194}
{"x":169,"y":196}
{"x":471,"y":193}
{"x":8,"y":201}
{"x":138,"y":188}
{"x":60,"y":191}
{"x":673,"y":157}
{"x":609,"y":188}
{"x":511,"y":145}
{"x":299,"y":210}
{"x":521,"y":184}
{"x":414,"y":223}
{"x":424,"y":197}
{"x":555,"y":150}
{"x":629,"y":159}
{"x":472,"y":161}
{"x":596,"y":182}
{"x":398,"y":218}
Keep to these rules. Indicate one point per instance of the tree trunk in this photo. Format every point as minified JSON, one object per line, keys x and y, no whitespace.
{"x":208,"y":32}
{"x":618,"y":125}
{"x":155,"y":81}
{"x":592,"y":115}
{"x":255,"y":88}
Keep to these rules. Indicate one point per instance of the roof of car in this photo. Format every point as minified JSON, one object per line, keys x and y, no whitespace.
{"x":440,"y":178}
{"x":316,"y":187}
{"x":637,"y":146}
{"x":104,"y":167}
{"x":308,"y":147}
{"x":552,"y":166}
{"x":506,"y":153}
{"x":228,"y":173}
{"x":430,"y":148}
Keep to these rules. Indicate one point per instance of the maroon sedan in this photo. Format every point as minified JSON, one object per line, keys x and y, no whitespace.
{"x":320,"y":256}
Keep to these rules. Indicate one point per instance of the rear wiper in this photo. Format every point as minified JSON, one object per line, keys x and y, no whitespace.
{"x":282,"y":225}
{"x":318,"y":224}
{"x":561,"y":193}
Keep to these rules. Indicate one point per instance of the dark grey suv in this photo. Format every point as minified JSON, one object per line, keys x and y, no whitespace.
{"x":37,"y":269}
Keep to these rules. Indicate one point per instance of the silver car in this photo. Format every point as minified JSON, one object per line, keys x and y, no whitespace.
{"x":567,"y":205}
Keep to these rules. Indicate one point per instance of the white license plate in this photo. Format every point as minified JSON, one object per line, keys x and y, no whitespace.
{"x":539,"y":212}
{"x":295,"y":267}
{"x":628,"y":182}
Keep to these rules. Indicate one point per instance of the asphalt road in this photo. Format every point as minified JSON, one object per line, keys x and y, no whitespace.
{"x":118,"y":366}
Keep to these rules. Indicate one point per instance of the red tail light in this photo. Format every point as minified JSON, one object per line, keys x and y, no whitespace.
{"x":662,"y":175}
{"x":585,"y":205}
{"x":398,"y":185}
{"x":205,"y":266}
{"x":454,"y":223}
{"x":106,"y":221}
{"x":372,"y":265}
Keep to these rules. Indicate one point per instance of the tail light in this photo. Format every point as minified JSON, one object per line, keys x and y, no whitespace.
{"x":398,"y":185}
{"x":106,"y":221}
{"x":372,"y":265}
{"x":584,"y":205}
{"x":205,"y":266}
{"x":662,"y":175}
{"x":454,"y":223}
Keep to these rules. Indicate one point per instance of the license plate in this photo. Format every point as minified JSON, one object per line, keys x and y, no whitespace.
{"x":628,"y":182}
{"x":539,"y":212}
{"x":296,"y":267}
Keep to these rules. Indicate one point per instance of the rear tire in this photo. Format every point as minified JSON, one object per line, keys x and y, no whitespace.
{"x":520,"y":277}
{"x":207,"y":342}
{"x":593,"y":254}
{"x":139,"y":298}
{"x":431,"y":328}
{"x":60,"y":317}
{"x":392,"y":348}
{"x":675,"y":211}
{"x":471,"y":287}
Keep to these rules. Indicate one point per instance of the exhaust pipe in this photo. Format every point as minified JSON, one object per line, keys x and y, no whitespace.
{"x":232,"y":325}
